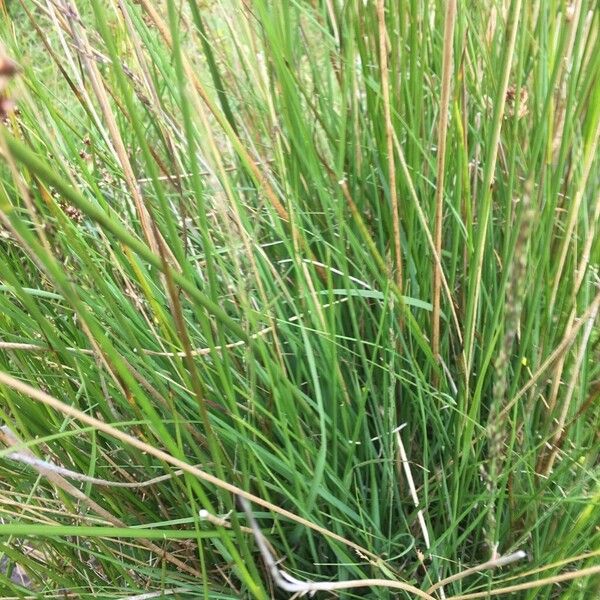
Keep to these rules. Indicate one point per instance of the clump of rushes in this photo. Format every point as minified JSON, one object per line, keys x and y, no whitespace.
{"x":271,"y":250}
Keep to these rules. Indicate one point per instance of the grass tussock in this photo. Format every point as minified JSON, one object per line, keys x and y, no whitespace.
{"x":299,"y":297}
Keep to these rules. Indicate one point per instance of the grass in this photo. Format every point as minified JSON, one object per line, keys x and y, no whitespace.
{"x":338,"y":259}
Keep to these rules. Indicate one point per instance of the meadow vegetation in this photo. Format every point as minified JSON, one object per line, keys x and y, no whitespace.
{"x":338,"y":258}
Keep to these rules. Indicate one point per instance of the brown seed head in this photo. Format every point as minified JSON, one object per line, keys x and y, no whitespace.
{"x":8,"y":67}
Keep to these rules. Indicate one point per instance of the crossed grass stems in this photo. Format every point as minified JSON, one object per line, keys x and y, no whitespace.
{"x":157,"y":254}
{"x":19,"y":452}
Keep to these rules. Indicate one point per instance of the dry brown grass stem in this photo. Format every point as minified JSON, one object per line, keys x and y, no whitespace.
{"x":423,"y":221}
{"x":580,"y":271}
{"x":568,"y":339}
{"x":389,"y":138}
{"x":502,"y":561}
{"x":413,"y":488}
{"x":557,"y":437}
{"x":531,"y":585}
{"x":447,"y":67}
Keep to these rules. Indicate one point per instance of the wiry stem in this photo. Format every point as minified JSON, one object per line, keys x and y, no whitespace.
{"x":441,"y":163}
{"x":389,"y":138}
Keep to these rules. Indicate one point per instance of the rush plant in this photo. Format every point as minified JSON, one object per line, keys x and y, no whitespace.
{"x":299,"y":297}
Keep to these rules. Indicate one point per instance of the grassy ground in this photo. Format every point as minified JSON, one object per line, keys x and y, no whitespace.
{"x":337,"y":258}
